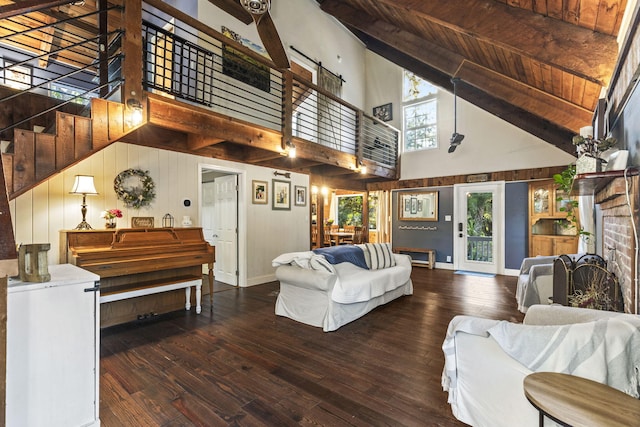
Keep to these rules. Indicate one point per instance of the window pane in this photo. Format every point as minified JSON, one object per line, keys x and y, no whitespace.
{"x":420,"y":129}
{"x":413,"y":87}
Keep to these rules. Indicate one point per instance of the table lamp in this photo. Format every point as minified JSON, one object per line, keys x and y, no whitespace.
{"x":84,"y":185}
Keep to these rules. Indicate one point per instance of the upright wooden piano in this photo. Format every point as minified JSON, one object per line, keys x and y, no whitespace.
{"x":143,"y":271}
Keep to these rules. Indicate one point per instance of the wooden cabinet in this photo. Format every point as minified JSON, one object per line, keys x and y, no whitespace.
{"x":549,"y":231}
{"x":53,"y":349}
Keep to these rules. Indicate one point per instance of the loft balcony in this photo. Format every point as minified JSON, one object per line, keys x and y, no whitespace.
{"x":148,"y":74}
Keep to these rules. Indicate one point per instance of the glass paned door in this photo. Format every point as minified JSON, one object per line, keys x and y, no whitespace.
{"x":479,"y":227}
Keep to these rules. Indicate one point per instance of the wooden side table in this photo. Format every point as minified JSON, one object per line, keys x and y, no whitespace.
{"x":576,"y":401}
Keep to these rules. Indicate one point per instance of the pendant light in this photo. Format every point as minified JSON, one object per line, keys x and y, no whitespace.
{"x":456,"y":138}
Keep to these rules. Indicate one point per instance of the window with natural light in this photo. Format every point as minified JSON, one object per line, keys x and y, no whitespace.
{"x":419,"y":106}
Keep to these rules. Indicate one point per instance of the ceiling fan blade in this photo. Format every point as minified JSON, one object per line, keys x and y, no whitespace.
{"x":271,"y":40}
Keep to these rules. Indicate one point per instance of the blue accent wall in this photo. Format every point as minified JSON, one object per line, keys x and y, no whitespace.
{"x":516,"y":211}
{"x":438,"y":235}
{"x":426,"y":234}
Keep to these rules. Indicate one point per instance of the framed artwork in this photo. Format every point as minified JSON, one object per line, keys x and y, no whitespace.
{"x":418,"y":206}
{"x":142,"y":222}
{"x":259,"y":191}
{"x":17,"y":76}
{"x":300,"y":195}
{"x":383,"y":112}
{"x":243,"y":68}
{"x":281,"y":195}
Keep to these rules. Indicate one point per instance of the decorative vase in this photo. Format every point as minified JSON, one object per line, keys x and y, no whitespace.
{"x":111,"y":223}
{"x":588,"y":164}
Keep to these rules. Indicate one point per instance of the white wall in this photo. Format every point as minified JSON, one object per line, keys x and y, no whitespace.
{"x":302,"y":24}
{"x":40,"y":214}
{"x":490,"y":143}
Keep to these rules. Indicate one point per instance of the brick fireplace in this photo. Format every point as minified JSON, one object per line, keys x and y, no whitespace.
{"x":618,"y":245}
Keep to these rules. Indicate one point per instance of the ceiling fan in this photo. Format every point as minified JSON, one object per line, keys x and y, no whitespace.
{"x":259,"y":10}
{"x":456,"y":138}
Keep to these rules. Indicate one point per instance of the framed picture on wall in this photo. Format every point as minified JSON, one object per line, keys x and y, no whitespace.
{"x":383,"y":112}
{"x":300,"y":195}
{"x":260,"y":195}
{"x":281,"y":198}
{"x":418,"y":206}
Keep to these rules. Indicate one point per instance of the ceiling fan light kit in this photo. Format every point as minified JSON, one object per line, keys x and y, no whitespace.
{"x":456,"y":138}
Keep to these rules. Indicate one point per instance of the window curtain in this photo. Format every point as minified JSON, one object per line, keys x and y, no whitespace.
{"x":383,"y":214}
{"x":328,"y":110}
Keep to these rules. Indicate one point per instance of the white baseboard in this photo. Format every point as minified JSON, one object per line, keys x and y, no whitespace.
{"x":259,"y":280}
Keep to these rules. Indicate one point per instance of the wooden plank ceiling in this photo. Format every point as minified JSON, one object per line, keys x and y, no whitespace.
{"x":540,"y":65}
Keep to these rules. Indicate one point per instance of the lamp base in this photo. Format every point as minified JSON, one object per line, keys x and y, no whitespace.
{"x":84,"y":225}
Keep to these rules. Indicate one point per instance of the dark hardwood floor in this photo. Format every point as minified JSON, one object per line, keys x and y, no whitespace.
{"x":244,"y":366}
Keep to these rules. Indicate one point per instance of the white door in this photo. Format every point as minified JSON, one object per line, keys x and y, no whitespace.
{"x":208,"y":214}
{"x":225,"y":226}
{"x":479,"y":227}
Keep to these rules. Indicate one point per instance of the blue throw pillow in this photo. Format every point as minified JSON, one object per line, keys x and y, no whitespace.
{"x":343,"y":253}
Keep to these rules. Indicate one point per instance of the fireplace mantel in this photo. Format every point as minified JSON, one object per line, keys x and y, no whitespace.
{"x":588,"y":184}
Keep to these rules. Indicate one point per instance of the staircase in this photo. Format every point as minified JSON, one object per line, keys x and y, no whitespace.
{"x":37,"y":156}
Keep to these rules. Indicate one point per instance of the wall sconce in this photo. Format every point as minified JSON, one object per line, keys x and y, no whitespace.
{"x":167,"y":221}
{"x":291,"y":149}
{"x":136,"y":111}
{"x":83,"y":184}
{"x":361,"y":167}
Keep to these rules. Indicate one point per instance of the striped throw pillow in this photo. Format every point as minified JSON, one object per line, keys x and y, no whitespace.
{"x":380,"y":255}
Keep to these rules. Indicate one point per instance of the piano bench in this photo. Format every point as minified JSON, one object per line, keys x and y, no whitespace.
{"x":117,"y":293}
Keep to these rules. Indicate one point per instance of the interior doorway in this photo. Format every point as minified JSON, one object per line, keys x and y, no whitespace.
{"x":219,"y":216}
{"x":479,"y":227}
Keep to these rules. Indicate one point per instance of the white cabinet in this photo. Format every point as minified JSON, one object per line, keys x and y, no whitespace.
{"x":53,"y":350}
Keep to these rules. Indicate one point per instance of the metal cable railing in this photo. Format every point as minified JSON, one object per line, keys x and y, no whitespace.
{"x":182,"y":63}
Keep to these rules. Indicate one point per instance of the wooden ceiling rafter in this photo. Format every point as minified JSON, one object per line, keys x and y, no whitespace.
{"x":538,"y":69}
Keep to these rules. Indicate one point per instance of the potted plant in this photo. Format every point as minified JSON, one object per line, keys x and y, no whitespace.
{"x":589,"y":151}
{"x":564,"y":182}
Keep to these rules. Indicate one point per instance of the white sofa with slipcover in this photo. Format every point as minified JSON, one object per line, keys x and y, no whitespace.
{"x":487,"y":360}
{"x":330,"y":287}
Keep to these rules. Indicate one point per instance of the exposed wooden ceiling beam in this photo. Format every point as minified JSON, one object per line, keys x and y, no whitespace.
{"x":577,"y":50}
{"x":545,"y":129}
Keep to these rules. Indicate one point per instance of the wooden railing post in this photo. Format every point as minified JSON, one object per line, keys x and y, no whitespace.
{"x":103,"y":55}
{"x":132,"y":51}
{"x":287,"y":108}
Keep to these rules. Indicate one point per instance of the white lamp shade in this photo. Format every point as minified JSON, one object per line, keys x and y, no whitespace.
{"x":83,"y":185}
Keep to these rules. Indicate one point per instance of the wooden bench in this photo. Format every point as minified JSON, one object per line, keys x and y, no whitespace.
{"x":150,"y":287}
{"x":431,"y":256}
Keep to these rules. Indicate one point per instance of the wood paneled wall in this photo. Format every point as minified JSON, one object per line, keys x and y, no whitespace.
{"x":40,"y":214}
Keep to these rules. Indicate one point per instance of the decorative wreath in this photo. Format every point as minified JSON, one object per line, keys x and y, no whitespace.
{"x":135,"y":196}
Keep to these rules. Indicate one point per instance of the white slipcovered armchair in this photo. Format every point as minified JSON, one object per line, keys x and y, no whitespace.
{"x":487,"y":360}
{"x":535,"y":281}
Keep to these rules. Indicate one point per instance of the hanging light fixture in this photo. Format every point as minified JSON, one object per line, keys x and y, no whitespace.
{"x":456,"y":138}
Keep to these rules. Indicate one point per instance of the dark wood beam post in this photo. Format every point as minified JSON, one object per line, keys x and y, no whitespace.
{"x":132,"y":50}
{"x":8,"y":267}
{"x":103,"y":53}
{"x":365,"y":216}
{"x":287,"y":108}
{"x":359,"y":137}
